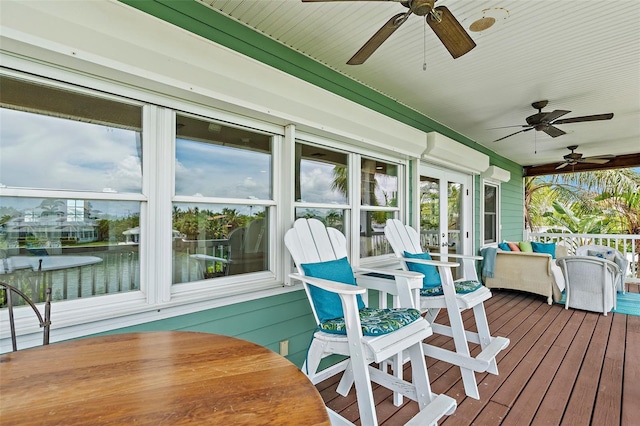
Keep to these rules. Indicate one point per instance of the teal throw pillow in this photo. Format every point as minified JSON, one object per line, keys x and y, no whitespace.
{"x":504,"y":247}
{"x":431,"y":276}
{"x":327,"y":304}
{"x":549,"y":248}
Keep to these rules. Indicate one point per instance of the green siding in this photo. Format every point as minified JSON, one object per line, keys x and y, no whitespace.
{"x":512,"y":203}
{"x":264,"y":321}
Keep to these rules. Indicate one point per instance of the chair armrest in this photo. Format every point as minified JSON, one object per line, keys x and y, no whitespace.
{"x":457,"y":256}
{"x":611,"y":265}
{"x":414,"y":278}
{"x":332,"y":286}
{"x":405,"y":285}
{"x":431,"y":262}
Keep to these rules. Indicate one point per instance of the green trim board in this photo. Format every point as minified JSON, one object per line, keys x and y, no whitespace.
{"x":199,"y":19}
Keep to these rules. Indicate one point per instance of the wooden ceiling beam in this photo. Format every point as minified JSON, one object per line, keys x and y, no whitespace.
{"x":619,"y":162}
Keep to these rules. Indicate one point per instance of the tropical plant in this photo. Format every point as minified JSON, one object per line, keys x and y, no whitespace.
{"x":566,"y":219}
{"x":608,"y":193}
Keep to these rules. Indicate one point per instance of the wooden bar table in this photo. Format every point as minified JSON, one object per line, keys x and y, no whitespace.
{"x":156,"y":378}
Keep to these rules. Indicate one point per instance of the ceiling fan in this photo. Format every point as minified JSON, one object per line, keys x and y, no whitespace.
{"x":574,"y":158}
{"x":440,"y":19}
{"x":546,"y":121}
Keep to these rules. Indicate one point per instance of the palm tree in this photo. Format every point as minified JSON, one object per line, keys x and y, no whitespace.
{"x":588,"y":193}
{"x":340,"y":179}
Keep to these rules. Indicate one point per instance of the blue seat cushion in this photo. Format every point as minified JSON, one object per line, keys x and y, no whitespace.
{"x":431,"y":276}
{"x":375,"y":322}
{"x":461,"y":287}
{"x":326,"y":303}
{"x":549,"y":248}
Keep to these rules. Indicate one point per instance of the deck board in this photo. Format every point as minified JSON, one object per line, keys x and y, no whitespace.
{"x":631,"y":374}
{"x":609,"y":397}
{"x":561,"y":367}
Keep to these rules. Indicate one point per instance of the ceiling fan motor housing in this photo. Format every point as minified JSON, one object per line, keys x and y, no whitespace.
{"x":421,"y":7}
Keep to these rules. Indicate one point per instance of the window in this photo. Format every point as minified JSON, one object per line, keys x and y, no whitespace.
{"x":378,"y":202}
{"x":226,"y":173}
{"x":134,"y":204}
{"x":491,"y":223}
{"x":64,"y":155}
{"x":321,"y":185}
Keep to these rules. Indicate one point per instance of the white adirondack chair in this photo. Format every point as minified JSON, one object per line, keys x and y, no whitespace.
{"x":404,"y":238}
{"x":310,"y":242}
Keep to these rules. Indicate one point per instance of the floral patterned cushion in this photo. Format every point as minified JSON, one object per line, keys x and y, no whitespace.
{"x":374,"y":321}
{"x":462,"y":287}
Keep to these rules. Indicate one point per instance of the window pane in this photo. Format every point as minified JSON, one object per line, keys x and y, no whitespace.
{"x":379,"y":183}
{"x":82,"y":248}
{"x":372,"y":239}
{"x":330,"y":217}
{"x":490,"y":214}
{"x":56,"y":139}
{"x":322,"y":175}
{"x":490,"y":198}
{"x":214,"y":160}
{"x":429,"y":213}
{"x":455,"y":220}
{"x":490,"y":228}
{"x":212,"y":241}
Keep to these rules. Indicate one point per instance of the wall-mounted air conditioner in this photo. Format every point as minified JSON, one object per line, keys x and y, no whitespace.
{"x":444,"y":151}
{"x":497,"y":174}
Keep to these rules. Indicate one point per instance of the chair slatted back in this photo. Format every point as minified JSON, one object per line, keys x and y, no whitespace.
{"x":402,"y":238}
{"x":45,"y":322}
{"x":309,"y":241}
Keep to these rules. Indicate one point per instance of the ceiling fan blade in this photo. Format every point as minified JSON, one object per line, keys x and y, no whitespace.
{"x":555,"y":114}
{"x":596,"y":117}
{"x":545,"y":117}
{"x":378,"y":38}
{"x":450,"y":32}
{"x":597,"y":160}
{"x":509,"y":127}
{"x":554,"y":132}
{"x":508,"y":136}
{"x":562,"y":166}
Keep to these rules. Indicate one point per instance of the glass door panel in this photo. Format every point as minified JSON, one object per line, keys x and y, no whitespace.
{"x":430,"y":213}
{"x":445,"y":211}
{"x":455,"y":217}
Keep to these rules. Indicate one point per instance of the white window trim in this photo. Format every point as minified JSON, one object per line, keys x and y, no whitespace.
{"x":75,"y":318}
{"x":496,"y":184}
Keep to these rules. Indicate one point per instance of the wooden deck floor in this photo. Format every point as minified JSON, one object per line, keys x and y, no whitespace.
{"x":561,"y":367}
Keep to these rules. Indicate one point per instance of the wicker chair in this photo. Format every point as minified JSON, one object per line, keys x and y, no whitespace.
{"x":590,"y":283}
{"x":610,"y":254}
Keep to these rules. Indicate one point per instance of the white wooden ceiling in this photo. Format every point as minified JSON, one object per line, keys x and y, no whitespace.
{"x":581,"y":55}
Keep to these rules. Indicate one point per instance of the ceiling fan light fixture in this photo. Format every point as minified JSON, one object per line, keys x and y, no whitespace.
{"x":486,"y":19}
{"x":482,"y":24}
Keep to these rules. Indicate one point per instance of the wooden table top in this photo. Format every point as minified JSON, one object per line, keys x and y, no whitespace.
{"x":159,"y":378}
